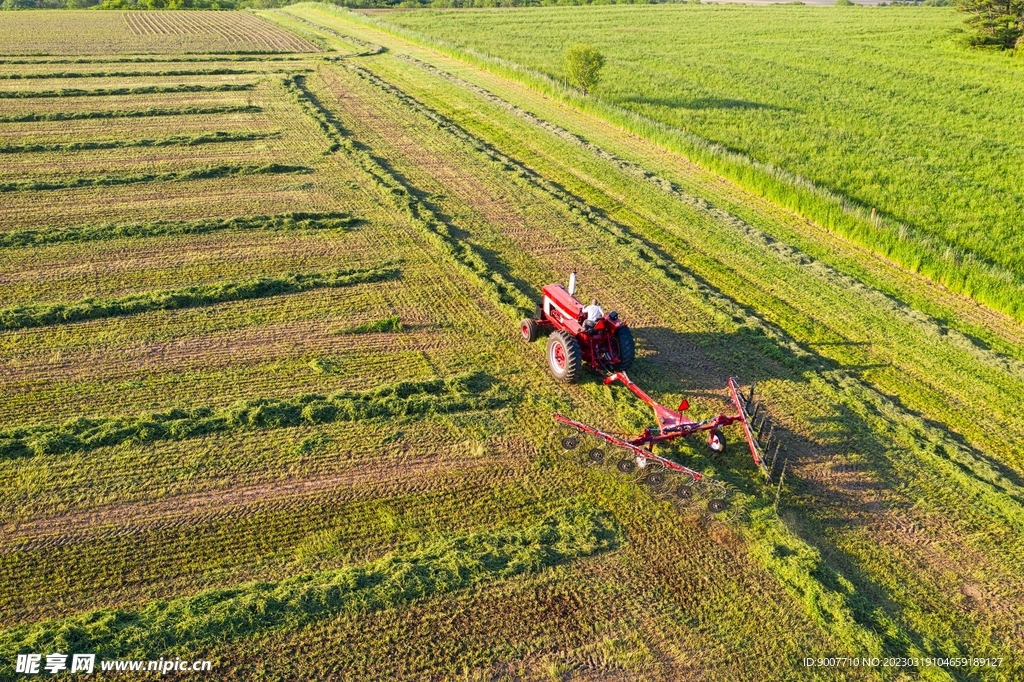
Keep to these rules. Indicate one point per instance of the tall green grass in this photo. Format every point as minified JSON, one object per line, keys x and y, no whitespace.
{"x":207,"y":173}
{"x":130,"y":113}
{"x":172,"y":141}
{"x":882,"y":152}
{"x":435,"y":396}
{"x":161,"y":228}
{"x":209,"y":618}
{"x":46,"y":314}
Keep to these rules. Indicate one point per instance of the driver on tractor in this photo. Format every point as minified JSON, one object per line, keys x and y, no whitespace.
{"x":594,"y":312}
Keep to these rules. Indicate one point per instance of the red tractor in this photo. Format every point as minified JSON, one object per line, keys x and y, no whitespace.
{"x":606,"y":344}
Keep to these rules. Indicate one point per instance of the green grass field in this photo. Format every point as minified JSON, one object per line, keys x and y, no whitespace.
{"x":266,"y":402}
{"x":877,"y":105}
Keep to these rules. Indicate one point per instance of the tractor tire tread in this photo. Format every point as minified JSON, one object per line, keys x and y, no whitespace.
{"x":627,"y":348}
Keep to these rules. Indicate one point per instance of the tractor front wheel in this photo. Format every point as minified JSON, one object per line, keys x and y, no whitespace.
{"x":529,"y":329}
{"x":627,"y":348}
{"x":564,"y":358}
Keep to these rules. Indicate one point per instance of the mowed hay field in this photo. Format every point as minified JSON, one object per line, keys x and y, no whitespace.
{"x":912,"y":143}
{"x":266,"y":403}
{"x":82,"y":32}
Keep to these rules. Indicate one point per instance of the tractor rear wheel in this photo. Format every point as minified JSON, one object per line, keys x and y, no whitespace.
{"x":627,"y":348}
{"x":564,"y":358}
{"x":529,"y":329}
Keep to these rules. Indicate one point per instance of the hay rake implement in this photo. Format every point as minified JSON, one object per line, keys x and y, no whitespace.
{"x":672,"y":424}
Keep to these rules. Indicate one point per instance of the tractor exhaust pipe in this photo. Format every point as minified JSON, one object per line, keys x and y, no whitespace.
{"x":572,"y":283}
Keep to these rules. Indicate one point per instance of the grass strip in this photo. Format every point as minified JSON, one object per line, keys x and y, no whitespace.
{"x":368,"y":49}
{"x":130,"y":113}
{"x":132,"y":74}
{"x":207,"y":619}
{"x":461,"y":393}
{"x":173,"y":141}
{"x":42,"y":315}
{"x":140,"y":90}
{"x":134,"y":178}
{"x":160,"y":228}
{"x":504,"y":293}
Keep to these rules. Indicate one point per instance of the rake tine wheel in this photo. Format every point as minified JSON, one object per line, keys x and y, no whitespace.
{"x":775,"y":456}
{"x":760,"y":427}
{"x":753,"y":415}
{"x":750,"y":398}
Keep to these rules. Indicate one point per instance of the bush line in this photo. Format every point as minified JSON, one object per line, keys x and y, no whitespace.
{"x":959,"y":270}
{"x":204,"y":620}
{"x":134,"y":178}
{"x":462,"y":393}
{"x":134,"y":74}
{"x":140,"y":90}
{"x":41,"y":315}
{"x":173,"y":141}
{"x":506,"y":296}
{"x":129,"y":113}
{"x":159,"y":228}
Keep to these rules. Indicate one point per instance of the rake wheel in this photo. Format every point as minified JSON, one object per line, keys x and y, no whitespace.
{"x":655,"y":479}
{"x":596,"y":456}
{"x":570,"y":442}
{"x":626,"y":466}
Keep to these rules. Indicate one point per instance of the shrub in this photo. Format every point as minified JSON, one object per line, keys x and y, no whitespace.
{"x":582,"y":65}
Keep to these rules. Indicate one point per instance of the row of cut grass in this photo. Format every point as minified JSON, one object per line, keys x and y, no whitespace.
{"x":172,"y":141}
{"x":224,"y":171}
{"x":208,"y":618}
{"x":130,"y":113}
{"x":138,"y":74}
{"x":40,"y":315}
{"x":136,"y":90}
{"x":89,"y":233}
{"x":436,"y":396}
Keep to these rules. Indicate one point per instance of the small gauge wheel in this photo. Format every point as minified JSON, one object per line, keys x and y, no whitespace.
{"x":626,"y":466}
{"x":716,"y":441}
{"x":596,"y":456}
{"x":570,"y":442}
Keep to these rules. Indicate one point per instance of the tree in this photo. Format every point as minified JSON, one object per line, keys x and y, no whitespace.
{"x":582,"y":65}
{"x":994,"y":23}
